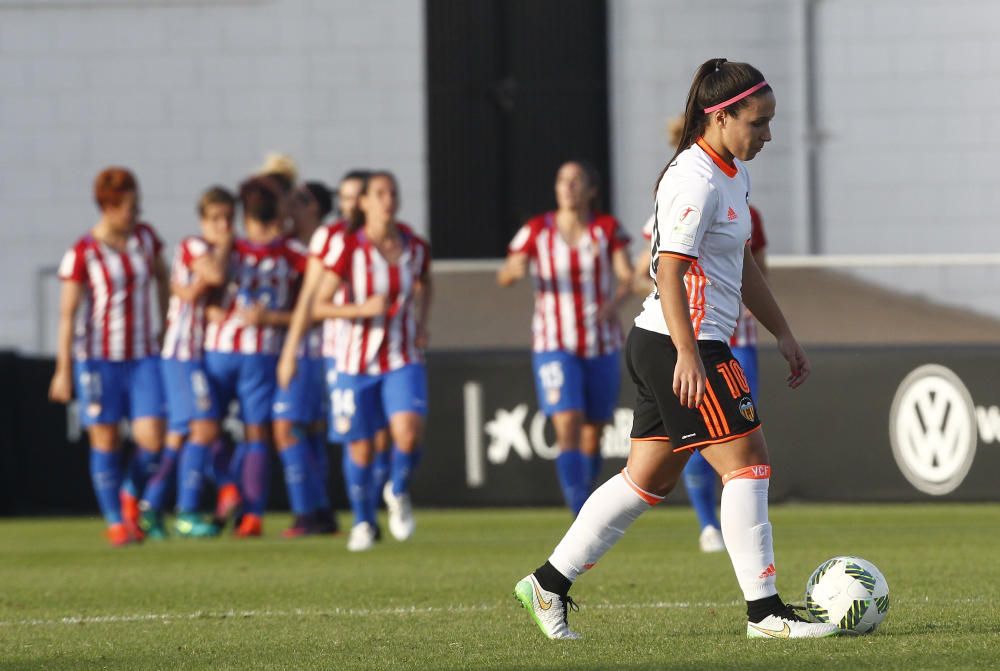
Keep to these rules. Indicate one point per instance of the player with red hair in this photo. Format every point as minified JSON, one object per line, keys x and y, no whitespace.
{"x":107,"y":348}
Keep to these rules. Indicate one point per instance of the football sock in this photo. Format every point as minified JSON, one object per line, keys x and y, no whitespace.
{"x":319,"y":472}
{"x":163,"y":482}
{"x":295,"y":461}
{"x":747,"y":532}
{"x":552,"y":580}
{"x":236,"y":463}
{"x":402,"y":467}
{"x":699,"y":480}
{"x":220,"y":464}
{"x":572,"y":470}
{"x":594,"y":463}
{"x":191,"y":470}
{"x":358,"y":479}
{"x":254,"y":477}
{"x":761,"y":608}
{"x":602,"y":521}
{"x":141,"y":467}
{"x":106,"y":476}
{"x":382,"y":469}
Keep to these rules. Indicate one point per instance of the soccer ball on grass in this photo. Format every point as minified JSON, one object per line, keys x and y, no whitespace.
{"x":849,"y":592}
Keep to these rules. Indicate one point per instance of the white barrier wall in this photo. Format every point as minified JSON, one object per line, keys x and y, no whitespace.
{"x":189,"y":94}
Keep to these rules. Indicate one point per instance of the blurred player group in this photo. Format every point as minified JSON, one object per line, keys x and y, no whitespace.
{"x":315,"y":330}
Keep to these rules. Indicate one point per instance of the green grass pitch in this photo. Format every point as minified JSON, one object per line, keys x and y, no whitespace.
{"x":443,"y":600}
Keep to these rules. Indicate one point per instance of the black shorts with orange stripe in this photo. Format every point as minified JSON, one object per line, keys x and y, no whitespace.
{"x":727,"y":412}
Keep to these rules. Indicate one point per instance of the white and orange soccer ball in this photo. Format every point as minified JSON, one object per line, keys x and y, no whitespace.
{"x":849,"y":592}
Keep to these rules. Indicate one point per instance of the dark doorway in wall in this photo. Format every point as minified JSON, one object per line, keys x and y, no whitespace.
{"x":515,"y":87}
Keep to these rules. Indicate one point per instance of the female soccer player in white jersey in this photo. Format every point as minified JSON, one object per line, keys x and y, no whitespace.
{"x":107,"y":348}
{"x":692,"y":393}
{"x":299,"y":411}
{"x":378,"y":374}
{"x":245,"y":334}
{"x":199,"y":267}
{"x":575,"y":253}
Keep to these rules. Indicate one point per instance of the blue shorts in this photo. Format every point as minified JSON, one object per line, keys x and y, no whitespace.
{"x":304,"y":402}
{"x":567,"y":382}
{"x":109,"y":391}
{"x":747,"y":356}
{"x":249,"y":378}
{"x":360,"y":405}
{"x":189,"y":395}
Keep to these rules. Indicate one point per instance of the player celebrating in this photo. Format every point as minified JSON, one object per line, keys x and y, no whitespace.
{"x":573,"y":253}
{"x":245,"y":333}
{"x":199,"y":267}
{"x":692,"y":393}
{"x":110,"y":353}
{"x":379,"y":375}
{"x":298,"y":406}
{"x":324,"y":249}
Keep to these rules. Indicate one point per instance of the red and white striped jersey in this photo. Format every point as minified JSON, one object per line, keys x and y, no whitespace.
{"x":326,"y":245}
{"x":266,"y":274}
{"x":115,"y":321}
{"x":185,"y":335}
{"x":745,"y":333}
{"x":572,"y":283}
{"x":385,"y":343}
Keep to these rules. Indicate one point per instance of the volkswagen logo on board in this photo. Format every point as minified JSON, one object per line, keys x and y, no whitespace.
{"x":933,"y":430}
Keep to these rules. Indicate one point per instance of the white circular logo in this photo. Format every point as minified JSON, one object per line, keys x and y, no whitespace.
{"x":932,"y":428}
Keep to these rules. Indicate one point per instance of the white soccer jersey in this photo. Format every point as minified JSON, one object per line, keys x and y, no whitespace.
{"x":184,"y":339}
{"x":702,"y":216}
{"x":115,"y":320}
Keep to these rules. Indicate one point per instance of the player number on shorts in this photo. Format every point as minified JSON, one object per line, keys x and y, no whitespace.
{"x":551,"y":375}
{"x":735,"y":379}
{"x":342,"y":401}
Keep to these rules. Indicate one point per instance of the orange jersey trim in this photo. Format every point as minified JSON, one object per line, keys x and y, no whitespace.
{"x":678,"y":255}
{"x":758,"y":472}
{"x":729,"y":170}
{"x":716,"y":441}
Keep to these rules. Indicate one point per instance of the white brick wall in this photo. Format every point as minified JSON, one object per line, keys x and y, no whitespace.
{"x":187,"y":96}
{"x":655,"y":47}
{"x":907,"y":96}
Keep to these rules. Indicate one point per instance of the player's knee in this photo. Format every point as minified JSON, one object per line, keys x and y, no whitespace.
{"x":285,"y":434}
{"x":204,"y":431}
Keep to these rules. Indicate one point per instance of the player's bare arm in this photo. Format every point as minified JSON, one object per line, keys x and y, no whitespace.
{"x":623,"y":274}
{"x":301,"y":320}
{"x":758,"y":298}
{"x":689,"y":374}
{"x":61,"y":387}
{"x":514,"y":268}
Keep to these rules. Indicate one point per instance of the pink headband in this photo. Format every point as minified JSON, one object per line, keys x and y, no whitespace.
{"x":741,"y":96}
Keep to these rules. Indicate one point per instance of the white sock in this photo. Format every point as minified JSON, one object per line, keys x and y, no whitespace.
{"x":602,"y":521}
{"x":747,"y":532}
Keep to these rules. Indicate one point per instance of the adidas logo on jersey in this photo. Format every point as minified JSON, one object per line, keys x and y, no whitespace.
{"x":732,"y":214}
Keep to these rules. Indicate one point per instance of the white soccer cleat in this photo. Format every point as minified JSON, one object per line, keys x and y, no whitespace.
{"x":790,"y":625}
{"x":547,"y":608}
{"x":362,"y":537}
{"x":401,"y":522}
{"x":710,"y":540}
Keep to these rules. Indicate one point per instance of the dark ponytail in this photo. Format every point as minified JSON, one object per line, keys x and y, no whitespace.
{"x":357,"y":220}
{"x":715,"y":81}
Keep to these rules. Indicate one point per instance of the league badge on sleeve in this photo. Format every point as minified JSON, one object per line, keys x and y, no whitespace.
{"x":686,"y":225}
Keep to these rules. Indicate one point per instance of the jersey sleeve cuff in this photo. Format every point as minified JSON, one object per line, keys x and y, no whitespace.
{"x":678,"y":255}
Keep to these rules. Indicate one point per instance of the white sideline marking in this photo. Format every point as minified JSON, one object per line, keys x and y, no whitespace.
{"x":332,"y":612}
